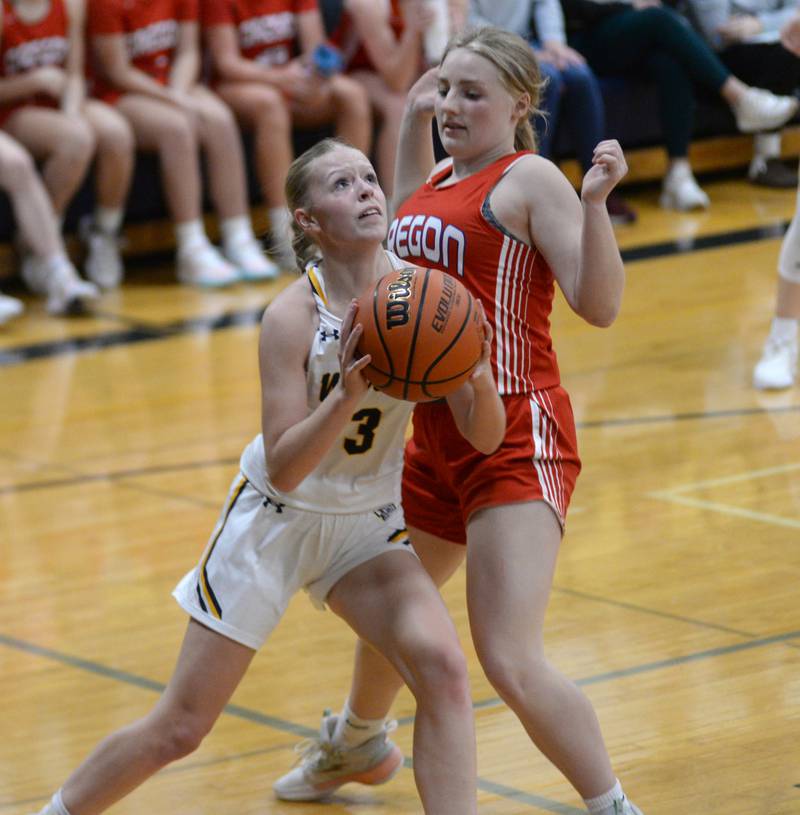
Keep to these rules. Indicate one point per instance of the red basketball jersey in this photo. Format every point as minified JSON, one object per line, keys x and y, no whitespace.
{"x":346,"y":39}
{"x":150,"y":28}
{"x":27,"y":46}
{"x":454,"y":229}
{"x":266,"y":29}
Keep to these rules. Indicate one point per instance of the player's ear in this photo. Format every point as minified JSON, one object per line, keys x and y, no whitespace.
{"x":522,"y":105}
{"x":305,"y":219}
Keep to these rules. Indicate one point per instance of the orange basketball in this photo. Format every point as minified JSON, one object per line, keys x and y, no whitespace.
{"x":423,"y":331}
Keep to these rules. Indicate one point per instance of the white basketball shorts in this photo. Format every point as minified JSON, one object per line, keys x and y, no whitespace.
{"x":262,"y":552}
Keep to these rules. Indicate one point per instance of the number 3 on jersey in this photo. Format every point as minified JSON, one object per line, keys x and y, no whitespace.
{"x":369,"y":419}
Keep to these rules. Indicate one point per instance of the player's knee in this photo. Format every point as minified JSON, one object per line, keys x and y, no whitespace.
{"x":440,"y":672}
{"x":18,"y":170}
{"x":512,"y":674}
{"x":349,"y":96}
{"x":78,"y":140}
{"x":218,"y":118}
{"x":116,"y":137}
{"x":179,"y":737}
{"x":177,"y":134}
{"x":789,"y":264}
{"x":271,"y":111}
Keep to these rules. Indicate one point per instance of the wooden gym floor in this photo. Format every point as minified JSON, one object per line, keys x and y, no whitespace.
{"x":676,"y":603}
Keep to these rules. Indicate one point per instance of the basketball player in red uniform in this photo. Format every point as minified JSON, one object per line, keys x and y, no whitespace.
{"x":33,"y":213}
{"x":381,"y":44}
{"x":507,"y":223}
{"x":43,"y":106}
{"x":271,"y":87}
{"x":147,"y":62}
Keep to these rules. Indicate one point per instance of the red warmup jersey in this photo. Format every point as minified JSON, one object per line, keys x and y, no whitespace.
{"x":150,"y":28}
{"x":453,"y":229}
{"x":266,"y":29}
{"x":27,"y":46}
{"x":346,"y":39}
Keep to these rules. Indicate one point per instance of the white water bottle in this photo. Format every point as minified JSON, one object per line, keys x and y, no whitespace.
{"x":438,"y":32}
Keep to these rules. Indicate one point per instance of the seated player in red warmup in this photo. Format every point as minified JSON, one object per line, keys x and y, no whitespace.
{"x":261,"y":54}
{"x":43,"y":105}
{"x":147,"y":63}
{"x":382,"y":47}
{"x":34,"y":219}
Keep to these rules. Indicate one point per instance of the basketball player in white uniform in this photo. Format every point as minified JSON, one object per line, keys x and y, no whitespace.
{"x":316,"y":506}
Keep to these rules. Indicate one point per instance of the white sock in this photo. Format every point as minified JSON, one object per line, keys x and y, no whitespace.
{"x":56,"y":806}
{"x":190,"y":235}
{"x":767,"y":145}
{"x":604,"y":804}
{"x":279,"y":221}
{"x":784,"y":329}
{"x":236,"y":230}
{"x":108,"y":220}
{"x":351,"y":730}
{"x":678,"y":168}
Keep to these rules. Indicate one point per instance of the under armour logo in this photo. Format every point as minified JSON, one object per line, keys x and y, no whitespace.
{"x":325,"y":335}
{"x":267,"y":502}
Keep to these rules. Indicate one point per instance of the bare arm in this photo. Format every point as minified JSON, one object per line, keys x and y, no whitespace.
{"x":227,"y":57}
{"x":112,"y":56}
{"x":477,"y":408}
{"x":186,"y":63}
{"x":233,"y":67}
{"x":576,"y":237}
{"x":75,"y":89}
{"x":458,"y":15}
{"x":295,"y":441}
{"x":310,"y":30}
{"x":396,"y":60}
{"x":415,"y":148}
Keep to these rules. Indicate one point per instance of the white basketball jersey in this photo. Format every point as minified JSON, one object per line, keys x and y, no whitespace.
{"x":361,"y":471}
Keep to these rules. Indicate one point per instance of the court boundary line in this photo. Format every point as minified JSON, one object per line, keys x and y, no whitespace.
{"x":676,"y":495}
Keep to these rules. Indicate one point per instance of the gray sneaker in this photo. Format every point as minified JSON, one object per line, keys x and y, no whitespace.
{"x":324,"y":766}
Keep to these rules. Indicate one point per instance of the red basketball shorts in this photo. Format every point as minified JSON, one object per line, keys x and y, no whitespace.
{"x":445,"y":479}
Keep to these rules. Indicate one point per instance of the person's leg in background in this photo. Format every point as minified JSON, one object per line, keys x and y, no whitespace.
{"x":65,"y":146}
{"x":168,"y":131}
{"x":264,"y":111}
{"x":584,"y":114}
{"x":546,"y":124}
{"x":219,"y":137}
{"x":766,"y":65}
{"x":777,"y":367}
{"x":625,"y":42}
{"x":113,"y":172}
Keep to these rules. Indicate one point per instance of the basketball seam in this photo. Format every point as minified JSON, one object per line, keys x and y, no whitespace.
{"x":447,"y":350}
{"x":379,"y":329}
{"x":420,"y":309}
{"x":420,"y":382}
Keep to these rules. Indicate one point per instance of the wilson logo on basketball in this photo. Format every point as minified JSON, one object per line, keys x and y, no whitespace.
{"x":397,"y":300}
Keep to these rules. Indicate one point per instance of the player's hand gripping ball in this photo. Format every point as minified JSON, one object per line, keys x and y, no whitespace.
{"x":423,"y":331}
